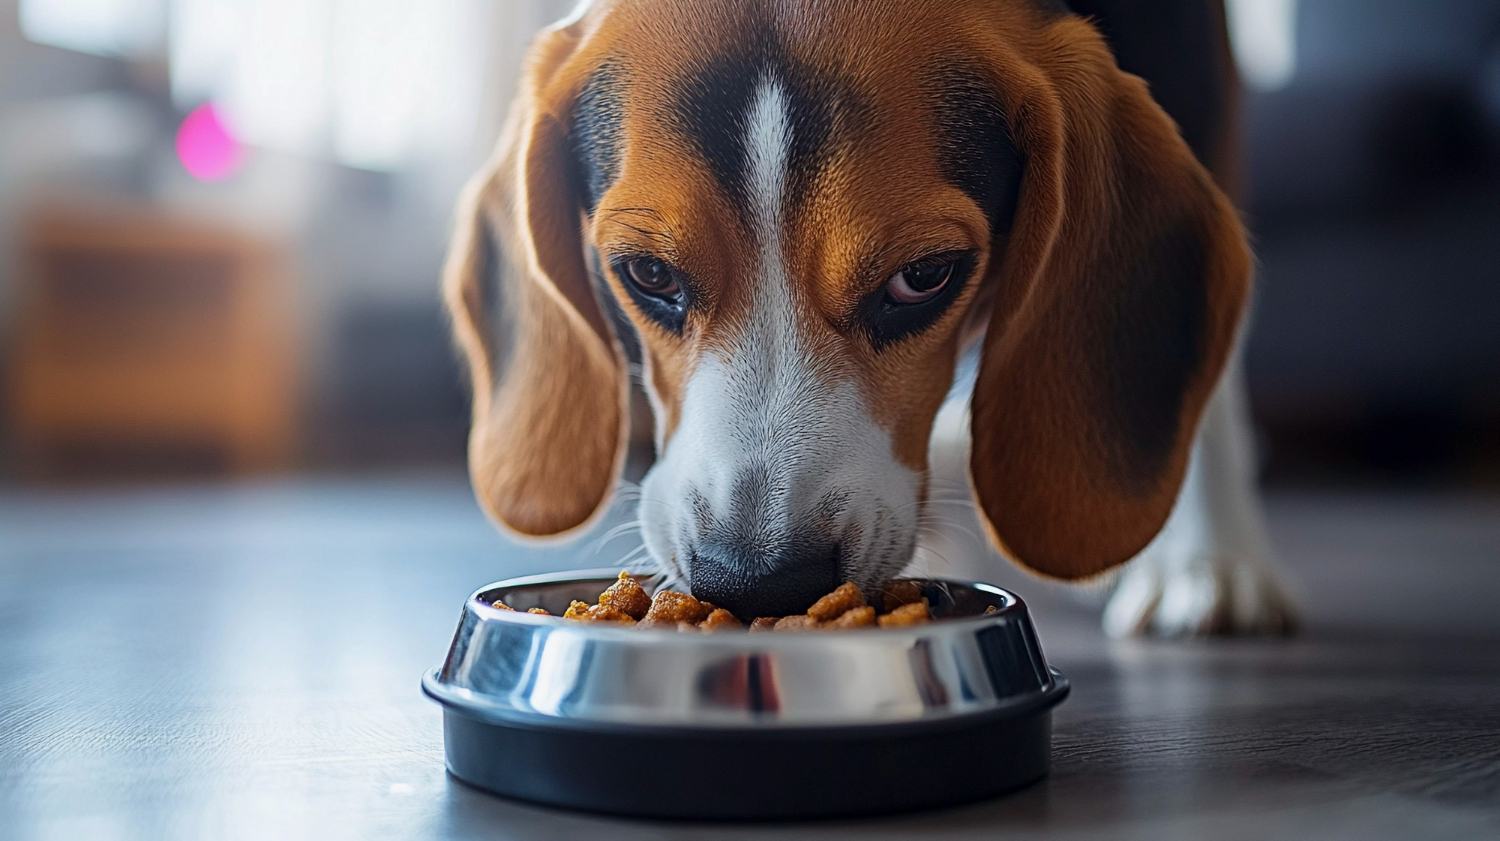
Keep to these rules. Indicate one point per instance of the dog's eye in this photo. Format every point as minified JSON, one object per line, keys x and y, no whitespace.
{"x":919,"y":283}
{"x":914,"y":298}
{"x":660,"y":292}
{"x":651,"y":277}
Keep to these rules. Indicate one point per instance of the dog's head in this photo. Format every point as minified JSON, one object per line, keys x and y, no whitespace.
{"x":805,"y":208}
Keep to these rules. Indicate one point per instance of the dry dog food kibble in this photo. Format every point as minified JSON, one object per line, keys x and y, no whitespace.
{"x":907,"y":614}
{"x":855,"y":617}
{"x":626,"y":603}
{"x":720,"y":620}
{"x":627,"y":596}
{"x":673,"y":608}
{"x":795,"y":623}
{"x":898,"y":593}
{"x":847,"y":607}
{"x":847,"y":597}
{"x":536,"y":610}
{"x":586,"y":612}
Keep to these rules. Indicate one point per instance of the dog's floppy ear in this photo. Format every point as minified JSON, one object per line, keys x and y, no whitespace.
{"x":549,"y":419}
{"x":1118,"y":298}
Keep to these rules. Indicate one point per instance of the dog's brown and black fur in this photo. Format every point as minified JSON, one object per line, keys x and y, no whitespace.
{"x":1100,"y":266}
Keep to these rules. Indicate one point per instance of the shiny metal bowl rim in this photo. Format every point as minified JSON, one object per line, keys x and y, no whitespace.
{"x":945,"y":633}
{"x":1013,"y":603}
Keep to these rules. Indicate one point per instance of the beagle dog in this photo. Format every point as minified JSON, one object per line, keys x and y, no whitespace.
{"x":808,"y":212}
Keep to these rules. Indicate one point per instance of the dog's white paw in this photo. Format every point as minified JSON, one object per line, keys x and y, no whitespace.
{"x":1201,"y":596}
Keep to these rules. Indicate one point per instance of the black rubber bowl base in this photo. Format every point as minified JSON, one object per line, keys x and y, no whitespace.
{"x":761,"y":775}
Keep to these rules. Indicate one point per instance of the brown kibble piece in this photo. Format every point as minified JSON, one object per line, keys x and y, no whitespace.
{"x":991,"y":609}
{"x":605,"y":613}
{"x":538,"y":611}
{"x":625,"y":602}
{"x":907,"y":615}
{"x":898,"y":593}
{"x":797,"y":623}
{"x":585,"y":612}
{"x":720,"y":620}
{"x":627,"y":596}
{"x":859,"y":617}
{"x":835,"y":604}
{"x":670,"y":607}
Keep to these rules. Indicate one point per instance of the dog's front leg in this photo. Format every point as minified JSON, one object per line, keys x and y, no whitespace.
{"x":1210,"y":570}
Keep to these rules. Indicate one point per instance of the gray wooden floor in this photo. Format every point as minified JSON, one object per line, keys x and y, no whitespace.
{"x":242,"y":662}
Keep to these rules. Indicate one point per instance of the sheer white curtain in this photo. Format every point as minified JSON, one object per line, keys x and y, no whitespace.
{"x":377,"y":84}
{"x":1265,"y":41}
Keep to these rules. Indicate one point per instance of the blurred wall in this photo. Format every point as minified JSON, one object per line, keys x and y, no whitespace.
{"x":1372,"y":184}
{"x":1375,"y":201}
{"x":380,"y":383}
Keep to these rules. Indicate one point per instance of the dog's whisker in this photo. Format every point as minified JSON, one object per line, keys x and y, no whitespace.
{"x":943,"y":481}
{"x":923,"y":566}
{"x":645,"y":499}
{"x":947,"y":523}
{"x":618,"y":531}
{"x":636,"y":555}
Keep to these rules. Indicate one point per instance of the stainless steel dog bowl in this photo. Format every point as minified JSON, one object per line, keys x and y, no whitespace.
{"x":654,"y":722}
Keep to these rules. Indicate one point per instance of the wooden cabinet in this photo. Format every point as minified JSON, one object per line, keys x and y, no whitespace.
{"x":149,"y":342}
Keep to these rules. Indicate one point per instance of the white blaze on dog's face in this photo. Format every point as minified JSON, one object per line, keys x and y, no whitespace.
{"x":776,"y":484}
{"x":804,"y":208}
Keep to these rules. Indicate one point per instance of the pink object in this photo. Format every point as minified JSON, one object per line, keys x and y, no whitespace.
{"x":208,"y":151}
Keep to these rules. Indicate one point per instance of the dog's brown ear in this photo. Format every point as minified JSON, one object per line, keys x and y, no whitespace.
{"x":549,"y":414}
{"x":1118,"y":298}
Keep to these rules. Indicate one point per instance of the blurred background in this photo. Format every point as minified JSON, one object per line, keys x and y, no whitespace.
{"x":222,"y":222}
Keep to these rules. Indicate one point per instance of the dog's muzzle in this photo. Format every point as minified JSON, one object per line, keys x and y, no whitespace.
{"x":750,"y":582}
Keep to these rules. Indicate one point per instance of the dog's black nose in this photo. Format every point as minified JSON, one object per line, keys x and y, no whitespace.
{"x":750,"y":583}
